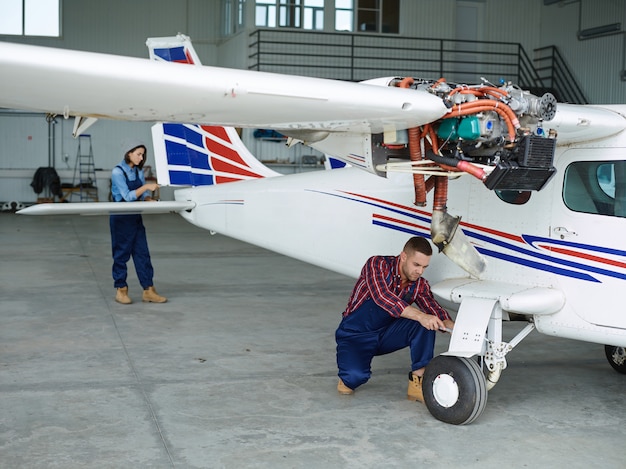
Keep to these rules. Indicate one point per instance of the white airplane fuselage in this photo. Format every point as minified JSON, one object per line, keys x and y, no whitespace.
{"x":551,"y":253}
{"x":337,"y":219}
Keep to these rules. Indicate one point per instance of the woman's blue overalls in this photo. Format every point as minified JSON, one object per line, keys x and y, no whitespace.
{"x":128,"y":238}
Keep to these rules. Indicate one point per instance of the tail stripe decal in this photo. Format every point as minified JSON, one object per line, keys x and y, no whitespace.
{"x":205,"y":155}
{"x":174,"y":54}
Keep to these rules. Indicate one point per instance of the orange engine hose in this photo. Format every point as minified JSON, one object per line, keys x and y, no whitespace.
{"x":415,"y":152}
{"x":440,"y":197}
{"x":475,"y":171}
{"x":482,"y":91}
{"x":430,"y":183}
{"x":406,"y":82}
{"x":430,"y":131}
{"x":496,"y":105}
{"x":467,"y":110}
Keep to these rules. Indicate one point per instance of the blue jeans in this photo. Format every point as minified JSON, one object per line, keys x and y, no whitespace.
{"x":370,"y":331}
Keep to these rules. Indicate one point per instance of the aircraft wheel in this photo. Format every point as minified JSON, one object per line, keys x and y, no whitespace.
{"x":454,"y":389}
{"x":616,"y":357}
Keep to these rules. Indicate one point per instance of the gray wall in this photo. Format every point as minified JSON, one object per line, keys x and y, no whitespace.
{"x":597,"y":63}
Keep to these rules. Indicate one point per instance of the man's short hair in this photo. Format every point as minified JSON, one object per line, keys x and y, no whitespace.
{"x":418,"y":244}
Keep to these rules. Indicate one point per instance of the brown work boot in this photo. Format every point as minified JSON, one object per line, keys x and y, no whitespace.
{"x":151,"y":296}
{"x":121,"y":296}
{"x":343,"y":389}
{"x":414,"y":393}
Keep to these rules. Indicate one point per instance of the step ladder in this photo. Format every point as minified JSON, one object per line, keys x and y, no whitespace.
{"x":84,"y":180}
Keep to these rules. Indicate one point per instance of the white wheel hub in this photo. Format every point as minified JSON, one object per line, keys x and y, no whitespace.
{"x":445,"y":390}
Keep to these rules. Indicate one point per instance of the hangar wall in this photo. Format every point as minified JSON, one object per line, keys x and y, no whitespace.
{"x":117,"y":27}
{"x":597,"y":62}
{"x":121,"y":27}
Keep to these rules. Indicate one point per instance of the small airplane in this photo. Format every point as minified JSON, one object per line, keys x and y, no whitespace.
{"x":526,"y":197}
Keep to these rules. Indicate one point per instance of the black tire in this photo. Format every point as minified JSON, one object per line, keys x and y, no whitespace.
{"x":454,"y":389}
{"x":616,"y":357}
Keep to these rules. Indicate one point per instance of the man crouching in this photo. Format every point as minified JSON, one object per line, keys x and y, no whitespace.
{"x":380,"y":318}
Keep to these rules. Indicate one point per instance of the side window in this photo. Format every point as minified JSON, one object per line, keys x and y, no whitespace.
{"x":597,"y":187}
{"x":305,"y":14}
{"x":233,"y":15}
{"x":378,"y":16}
{"x":344,"y":15}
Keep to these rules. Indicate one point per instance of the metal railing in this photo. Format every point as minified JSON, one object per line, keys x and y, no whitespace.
{"x":356,"y":57}
{"x":557,"y":76}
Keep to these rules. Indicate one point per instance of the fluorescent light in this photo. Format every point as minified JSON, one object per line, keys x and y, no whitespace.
{"x":600,"y":31}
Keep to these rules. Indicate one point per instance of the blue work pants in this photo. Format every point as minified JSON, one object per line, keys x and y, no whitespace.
{"x":128,"y":238}
{"x":370,"y":331}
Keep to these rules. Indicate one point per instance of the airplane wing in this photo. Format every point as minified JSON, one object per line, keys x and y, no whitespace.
{"x":108,"y":208}
{"x":363,"y":124}
{"x":99,"y":85}
{"x":513,"y":298}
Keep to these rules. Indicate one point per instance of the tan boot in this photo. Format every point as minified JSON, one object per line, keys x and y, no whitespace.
{"x":151,"y":296}
{"x":121,"y":296}
{"x":343,"y":389}
{"x":414,"y":393}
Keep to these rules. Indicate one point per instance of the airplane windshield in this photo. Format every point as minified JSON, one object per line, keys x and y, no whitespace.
{"x":597,"y":187}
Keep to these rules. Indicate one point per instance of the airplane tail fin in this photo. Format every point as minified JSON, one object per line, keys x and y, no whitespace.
{"x":173,"y":49}
{"x":197,"y":155}
{"x":201,"y":155}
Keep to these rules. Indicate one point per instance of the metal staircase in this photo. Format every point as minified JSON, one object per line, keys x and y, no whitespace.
{"x":356,"y":57}
{"x":557,"y":77}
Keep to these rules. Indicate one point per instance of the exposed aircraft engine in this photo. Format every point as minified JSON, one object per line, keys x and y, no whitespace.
{"x":494,"y":133}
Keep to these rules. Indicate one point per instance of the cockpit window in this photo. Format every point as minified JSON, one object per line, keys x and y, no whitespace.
{"x":597,"y":187}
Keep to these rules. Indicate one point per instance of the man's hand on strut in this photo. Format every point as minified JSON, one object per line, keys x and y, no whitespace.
{"x":430,"y":322}
{"x":449,"y":324}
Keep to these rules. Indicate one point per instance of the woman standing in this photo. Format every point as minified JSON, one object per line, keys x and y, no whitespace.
{"x":128,"y":234}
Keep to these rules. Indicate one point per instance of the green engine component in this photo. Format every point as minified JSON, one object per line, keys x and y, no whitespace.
{"x":469,"y":128}
{"x":448,"y":129}
{"x":465,"y":128}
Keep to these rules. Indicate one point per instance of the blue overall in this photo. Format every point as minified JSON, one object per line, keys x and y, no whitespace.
{"x":128,"y":238}
{"x":370,"y":331}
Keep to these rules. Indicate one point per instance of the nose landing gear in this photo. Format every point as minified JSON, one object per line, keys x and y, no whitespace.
{"x":455,"y":390}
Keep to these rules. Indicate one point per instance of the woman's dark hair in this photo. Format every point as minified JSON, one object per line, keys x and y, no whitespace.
{"x":145,"y":155}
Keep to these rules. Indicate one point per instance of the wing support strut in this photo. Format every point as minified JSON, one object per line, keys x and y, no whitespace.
{"x":81,"y":124}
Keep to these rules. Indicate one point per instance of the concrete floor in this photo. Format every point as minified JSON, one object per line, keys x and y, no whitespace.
{"x":238,"y":369}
